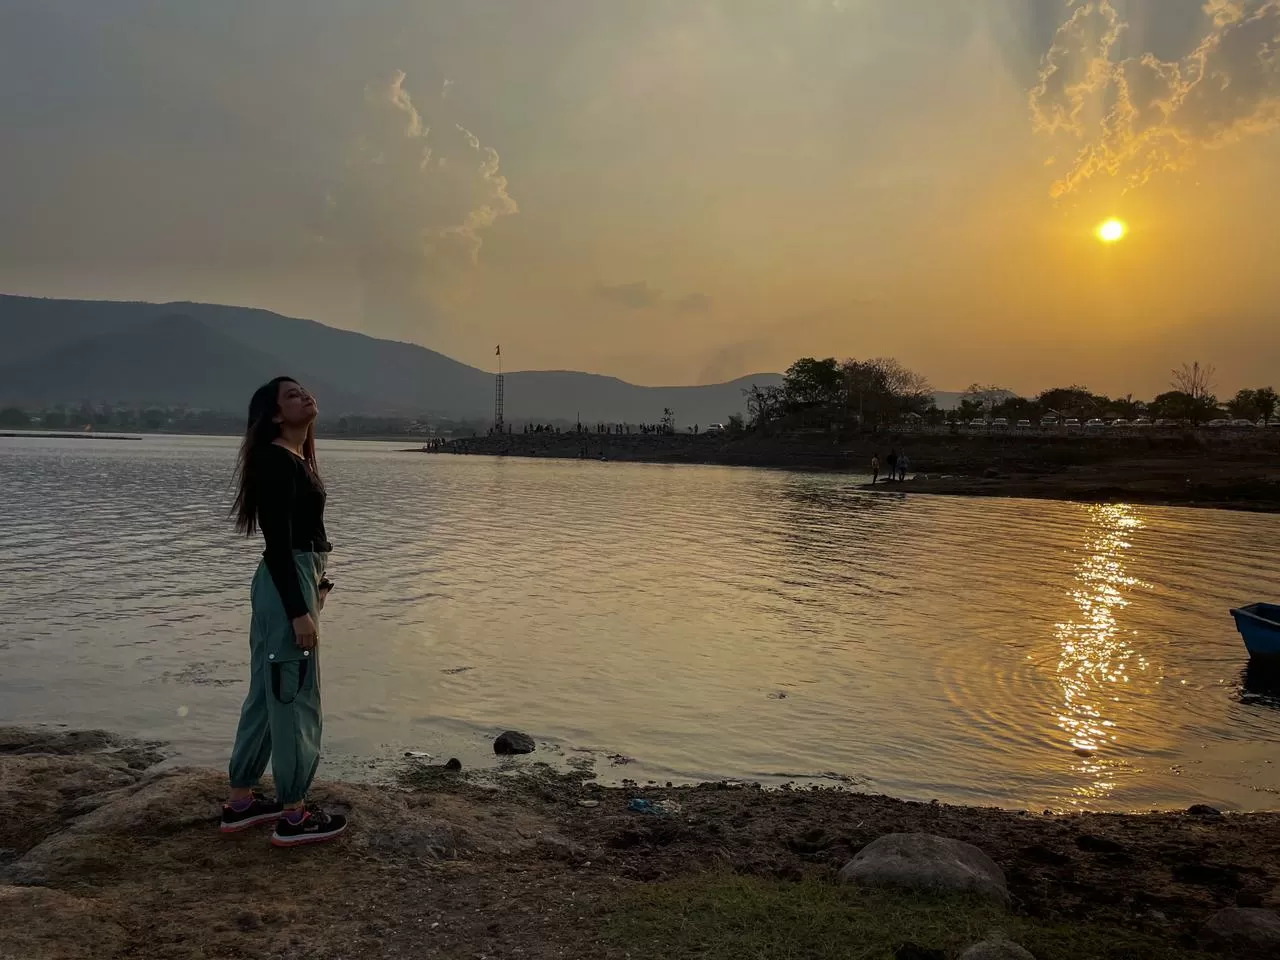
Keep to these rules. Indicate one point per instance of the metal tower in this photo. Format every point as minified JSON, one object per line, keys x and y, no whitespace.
{"x":498,"y":425}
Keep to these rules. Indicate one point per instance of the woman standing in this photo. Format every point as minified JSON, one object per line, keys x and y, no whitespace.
{"x":280,"y":493}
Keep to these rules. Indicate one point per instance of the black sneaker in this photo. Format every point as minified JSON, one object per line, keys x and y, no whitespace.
{"x":261,"y":810}
{"x":316,"y":826}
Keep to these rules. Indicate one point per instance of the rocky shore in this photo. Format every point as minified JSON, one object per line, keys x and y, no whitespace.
{"x":1235,"y":471}
{"x":103,"y":854}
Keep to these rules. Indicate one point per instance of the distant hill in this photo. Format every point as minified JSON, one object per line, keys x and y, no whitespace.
{"x":208,"y":355}
{"x":162,"y":361}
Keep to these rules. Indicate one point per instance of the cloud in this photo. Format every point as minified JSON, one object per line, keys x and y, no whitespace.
{"x":693,"y":303}
{"x":642,"y":295}
{"x":639,"y":295}
{"x":1139,"y":116}
{"x":413,"y":201}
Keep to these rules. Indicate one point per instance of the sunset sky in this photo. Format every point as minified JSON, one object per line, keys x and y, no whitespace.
{"x":671,"y":191}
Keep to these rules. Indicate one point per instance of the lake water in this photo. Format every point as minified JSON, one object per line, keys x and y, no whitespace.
{"x":706,"y":622}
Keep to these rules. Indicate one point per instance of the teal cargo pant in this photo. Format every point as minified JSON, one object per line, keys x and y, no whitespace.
{"x":280,"y":721}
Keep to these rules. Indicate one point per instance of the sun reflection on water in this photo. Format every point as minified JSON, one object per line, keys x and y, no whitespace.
{"x":1096,"y":657}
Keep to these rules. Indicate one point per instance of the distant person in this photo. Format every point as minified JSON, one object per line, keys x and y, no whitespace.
{"x":875,"y":468}
{"x":892,"y":461}
{"x":281,"y":494}
{"x":904,"y":464}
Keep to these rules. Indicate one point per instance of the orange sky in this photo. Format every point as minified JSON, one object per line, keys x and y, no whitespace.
{"x":671,"y":191}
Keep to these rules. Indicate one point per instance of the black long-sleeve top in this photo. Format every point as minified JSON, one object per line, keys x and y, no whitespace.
{"x":291,"y":516}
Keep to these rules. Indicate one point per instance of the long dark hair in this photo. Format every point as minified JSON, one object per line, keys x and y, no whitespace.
{"x":261,"y":431}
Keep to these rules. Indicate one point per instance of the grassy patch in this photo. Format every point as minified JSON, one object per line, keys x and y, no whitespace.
{"x":726,"y":917}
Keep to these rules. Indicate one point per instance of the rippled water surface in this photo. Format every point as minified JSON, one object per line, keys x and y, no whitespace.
{"x":706,"y":622}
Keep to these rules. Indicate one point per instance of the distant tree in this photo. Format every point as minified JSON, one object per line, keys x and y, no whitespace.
{"x":1126,"y":407}
{"x":1180,"y":405}
{"x":1244,"y":405}
{"x":1073,"y":401}
{"x":1195,"y":381}
{"x":13,"y":417}
{"x":985,"y":397}
{"x":883,"y":389}
{"x":735,"y":425}
{"x":1253,"y":404}
{"x":1267,"y":401}
{"x":971,"y":408}
{"x":1017,"y":408}
{"x":989,"y":395}
{"x":668,"y":420}
{"x":814,"y":383}
{"x":764,"y":404}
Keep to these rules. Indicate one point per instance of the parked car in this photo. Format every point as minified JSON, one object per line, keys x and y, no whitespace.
{"x":715,"y":428}
{"x":1218,"y":423}
{"x":1072,"y":422}
{"x":1024,"y":424}
{"x":1048,"y":421}
{"x":1094,"y":424}
{"x":1142,"y":422}
{"x":1242,"y":423}
{"x":1000,"y":423}
{"x":1119,"y":422}
{"x":1273,"y":423}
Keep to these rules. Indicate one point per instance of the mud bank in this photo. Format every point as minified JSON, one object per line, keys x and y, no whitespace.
{"x":102,"y":855}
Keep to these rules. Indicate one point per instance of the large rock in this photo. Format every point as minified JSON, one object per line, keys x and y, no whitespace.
{"x":997,"y":949}
{"x":923,"y":862}
{"x":512,"y":743}
{"x":42,"y":791}
{"x":1250,"y":931}
{"x":162,"y":803}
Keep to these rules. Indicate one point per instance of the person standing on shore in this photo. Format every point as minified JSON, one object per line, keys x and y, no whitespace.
{"x":875,"y":468}
{"x":892,"y":461}
{"x":281,"y":494}
{"x":904,"y":464}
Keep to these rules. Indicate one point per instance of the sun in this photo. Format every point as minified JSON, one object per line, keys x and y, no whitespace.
{"x":1109,"y":231}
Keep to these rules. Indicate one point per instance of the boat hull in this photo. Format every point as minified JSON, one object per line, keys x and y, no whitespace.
{"x":1259,"y":626}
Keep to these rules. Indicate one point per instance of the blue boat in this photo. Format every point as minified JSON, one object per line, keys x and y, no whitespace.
{"x":1259,"y":624}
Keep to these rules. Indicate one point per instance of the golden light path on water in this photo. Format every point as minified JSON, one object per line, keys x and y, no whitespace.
{"x":1096,"y":654}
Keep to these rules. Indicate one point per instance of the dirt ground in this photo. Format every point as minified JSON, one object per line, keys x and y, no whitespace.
{"x":102,"y":856}
{"x":1201,"y":469}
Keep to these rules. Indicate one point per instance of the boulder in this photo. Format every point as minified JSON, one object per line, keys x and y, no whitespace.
{"x":512,"y":743}
{"x":997,"y":949}
{"x":160,"y":804}
{"x":1249,"y":931}
{"x":1204,"y":810}
{"x":927,"y":863}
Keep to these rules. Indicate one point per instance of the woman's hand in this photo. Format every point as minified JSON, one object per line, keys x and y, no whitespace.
{"x":305,"y":631}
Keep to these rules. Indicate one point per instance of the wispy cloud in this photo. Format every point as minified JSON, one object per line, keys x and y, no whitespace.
{"x":639,"y":295}
{"x":642,"y":295}
{"x":414,"y":198}
{"x":1139,"y":116}
{"x":693,"y":303}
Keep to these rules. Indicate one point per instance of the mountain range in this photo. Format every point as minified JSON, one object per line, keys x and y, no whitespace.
{"x":212,"y":356}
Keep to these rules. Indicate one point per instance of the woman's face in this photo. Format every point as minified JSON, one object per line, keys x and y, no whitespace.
{"x":297,"y":407}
